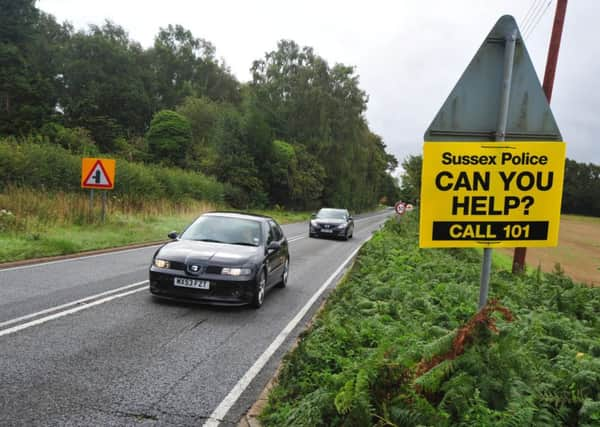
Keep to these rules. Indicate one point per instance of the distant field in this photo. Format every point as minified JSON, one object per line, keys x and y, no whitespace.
{"x":578,"y":251}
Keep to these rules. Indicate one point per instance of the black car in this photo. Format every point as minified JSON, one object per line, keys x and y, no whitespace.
{"x":331,"y":222}
{"x":222,"y":258}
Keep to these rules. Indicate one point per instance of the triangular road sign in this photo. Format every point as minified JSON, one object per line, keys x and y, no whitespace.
{"x":471,"y":111}
{"x":98,"y":177}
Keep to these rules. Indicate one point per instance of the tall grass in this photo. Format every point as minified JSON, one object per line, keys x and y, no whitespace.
{"x":30,"y":210}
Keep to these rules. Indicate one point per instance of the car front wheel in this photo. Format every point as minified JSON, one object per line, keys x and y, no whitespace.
{"x":285,"y":274}
{"x":259,"y":293}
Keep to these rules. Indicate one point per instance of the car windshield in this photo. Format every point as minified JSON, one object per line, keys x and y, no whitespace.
{"x":221,"y":229}
{"x":332,"y":214}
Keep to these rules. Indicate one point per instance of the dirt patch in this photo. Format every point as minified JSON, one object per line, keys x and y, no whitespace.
{"x":578,"y":250}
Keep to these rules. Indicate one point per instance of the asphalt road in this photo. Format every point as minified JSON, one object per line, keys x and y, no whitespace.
{"x":82,"y":342}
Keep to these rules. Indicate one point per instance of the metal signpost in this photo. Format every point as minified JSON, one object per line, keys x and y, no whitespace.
{"x":493,"y":159}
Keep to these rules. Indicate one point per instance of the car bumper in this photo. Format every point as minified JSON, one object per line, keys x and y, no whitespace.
{"x":322,"y":233}
{"x":221,"y":292}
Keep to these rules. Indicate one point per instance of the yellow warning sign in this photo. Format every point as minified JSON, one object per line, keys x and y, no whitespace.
{"x":98,"y":173}
{"x":491,"y":194}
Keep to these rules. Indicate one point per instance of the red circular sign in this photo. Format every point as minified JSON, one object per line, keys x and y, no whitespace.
{"x":400,"y":207}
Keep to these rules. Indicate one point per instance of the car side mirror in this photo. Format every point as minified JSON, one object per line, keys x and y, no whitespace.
{"x":172,"y":235}
{"x":350,"y":218}
{"x":273,"y":246}
{"x":313,"y":215}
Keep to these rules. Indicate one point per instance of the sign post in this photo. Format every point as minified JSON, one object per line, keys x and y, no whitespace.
{"x":98,"y":174}
{"x":493,"y":160}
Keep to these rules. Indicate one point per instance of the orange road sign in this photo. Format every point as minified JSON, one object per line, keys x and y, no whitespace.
{"x":98,"y":173}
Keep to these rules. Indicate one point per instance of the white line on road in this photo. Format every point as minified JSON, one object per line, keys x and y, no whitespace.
{"x":219,"y":413}
{"x":69,"y":304}
{"x":72,"y":310}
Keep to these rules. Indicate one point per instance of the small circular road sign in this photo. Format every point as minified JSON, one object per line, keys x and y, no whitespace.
{"x":400,"y":207}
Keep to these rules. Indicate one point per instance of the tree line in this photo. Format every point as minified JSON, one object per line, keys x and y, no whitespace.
{"x":295,"y":135}
{"x":581,"y":185}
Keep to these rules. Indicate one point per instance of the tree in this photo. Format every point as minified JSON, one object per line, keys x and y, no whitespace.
{"x":186,"y":66}
{"x":236,"y":164}
{"x":169,"y":138}
{"x":309,"y":104}
{"x":410,"y":189}
{"x":581,"y":189}
{"x":27,"y":88}
{"x":107,"y":86}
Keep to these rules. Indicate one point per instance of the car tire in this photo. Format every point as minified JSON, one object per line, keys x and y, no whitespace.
{"x":285,"y":274}
{"x":345,"y":237}
{"x":259,"y":292}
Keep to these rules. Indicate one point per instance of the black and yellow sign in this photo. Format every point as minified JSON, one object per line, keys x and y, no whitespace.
{"x":491,"y":194}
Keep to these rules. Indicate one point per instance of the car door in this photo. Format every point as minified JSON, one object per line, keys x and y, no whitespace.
{"x":275,"y":257}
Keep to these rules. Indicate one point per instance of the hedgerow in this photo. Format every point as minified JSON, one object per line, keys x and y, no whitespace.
{"x":400,"y":343}
{"x":50,"y":167}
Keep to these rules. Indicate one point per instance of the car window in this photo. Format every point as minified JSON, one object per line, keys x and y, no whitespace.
{"x":222,"y":229}
{"x":275,"y":233}
{"x":332,"y":214}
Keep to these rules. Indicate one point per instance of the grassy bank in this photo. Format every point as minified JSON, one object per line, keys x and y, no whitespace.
{"x":397,"y":344}
{"x":37,"y":224}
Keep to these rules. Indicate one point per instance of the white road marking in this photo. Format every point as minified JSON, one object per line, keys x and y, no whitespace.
{"x":71,"y":311}
{"x":80,"y":301}
{"x":219,"y":413}
{"x":69,"y":304}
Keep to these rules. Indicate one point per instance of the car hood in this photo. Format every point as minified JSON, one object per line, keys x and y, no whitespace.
{"x":190,"y":251}
{"x":333,"y":221}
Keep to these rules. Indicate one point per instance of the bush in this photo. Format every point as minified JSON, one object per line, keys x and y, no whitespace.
{"x":169,"y":137}
{"x":50,"y":167}
{"x":400,"y":343}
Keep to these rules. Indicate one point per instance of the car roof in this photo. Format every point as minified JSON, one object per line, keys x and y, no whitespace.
{"x":241,"y":215}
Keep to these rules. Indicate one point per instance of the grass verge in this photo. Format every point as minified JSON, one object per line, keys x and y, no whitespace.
{"x":37,"y":224}
{"x":399,"y":344}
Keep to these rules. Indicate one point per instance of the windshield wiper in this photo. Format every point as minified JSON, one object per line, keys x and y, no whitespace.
{"x":243,"y":243}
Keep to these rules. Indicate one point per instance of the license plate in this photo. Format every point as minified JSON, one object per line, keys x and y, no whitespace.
{"x":327,"y":231}
{"x":191,"y":283}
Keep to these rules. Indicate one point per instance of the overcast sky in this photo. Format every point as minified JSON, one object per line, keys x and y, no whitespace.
{"x":409,"y":54}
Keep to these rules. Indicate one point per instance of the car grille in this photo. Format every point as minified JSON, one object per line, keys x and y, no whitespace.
{"x":211,"y":269}
{"x":177,"y":265}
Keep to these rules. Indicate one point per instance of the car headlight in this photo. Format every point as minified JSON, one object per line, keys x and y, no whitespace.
{"x":341,"y":226}
{"x":314,"y":224}
{"x":161,"y":263}
{"x":230,"y":271}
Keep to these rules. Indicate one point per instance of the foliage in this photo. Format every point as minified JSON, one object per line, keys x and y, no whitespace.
{"x":54,"y":223}
{"x":106,"y":84}
{"x":581,"y":192}
{"x":400,"y":343}
{"x":96,"y":90}
{"x":310,"y":104}
{"x":46,"y":167}
{"x":169,"y":138}
{"x":186,"y":66}
{"x":27,"y":87}
{"x":410,"y":189}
